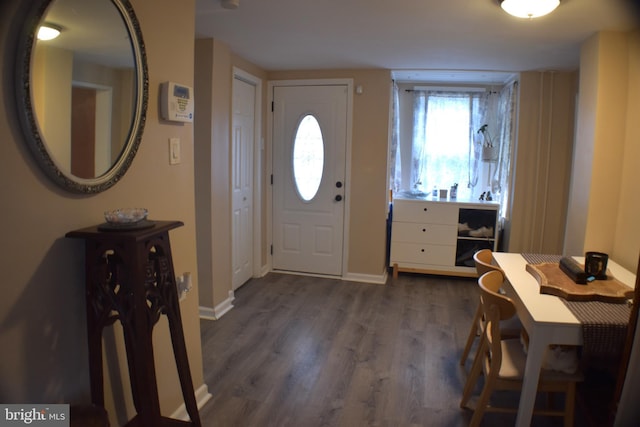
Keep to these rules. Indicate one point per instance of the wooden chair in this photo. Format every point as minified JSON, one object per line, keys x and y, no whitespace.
{"x":510,"y":328}
{"x":503,"y":361}
{"x":482,"y":260}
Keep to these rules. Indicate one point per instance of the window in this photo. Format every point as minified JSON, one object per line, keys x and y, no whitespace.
{"x":443,"y":140}
{"x":436,"y":142}
{"x":308,"y":157}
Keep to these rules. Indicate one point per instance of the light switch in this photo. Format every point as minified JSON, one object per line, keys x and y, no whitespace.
{"x":174,"y":151}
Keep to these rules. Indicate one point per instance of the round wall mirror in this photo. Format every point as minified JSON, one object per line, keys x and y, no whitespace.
{"x":83,"y":95}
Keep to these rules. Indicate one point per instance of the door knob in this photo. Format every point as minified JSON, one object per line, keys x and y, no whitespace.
{"x":338,"y":198}
{"x":339,"y":184}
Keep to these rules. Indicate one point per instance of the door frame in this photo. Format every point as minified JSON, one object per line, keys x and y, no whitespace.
{"x":269,"y":153}
{"x":258,"y":148}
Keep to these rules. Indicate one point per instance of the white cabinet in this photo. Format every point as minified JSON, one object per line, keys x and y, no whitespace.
{"x":440,"y":236}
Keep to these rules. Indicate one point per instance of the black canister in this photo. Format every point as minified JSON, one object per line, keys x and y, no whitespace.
{"x":595,"y":265}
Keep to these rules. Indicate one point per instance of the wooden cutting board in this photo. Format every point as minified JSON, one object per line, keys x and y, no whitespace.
{"x":554,"y":281}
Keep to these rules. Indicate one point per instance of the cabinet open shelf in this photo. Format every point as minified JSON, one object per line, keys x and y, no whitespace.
{"x":476,"y":231}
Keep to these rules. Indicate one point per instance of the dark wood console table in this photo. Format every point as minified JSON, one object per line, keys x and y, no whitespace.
{"x":130,"y":278}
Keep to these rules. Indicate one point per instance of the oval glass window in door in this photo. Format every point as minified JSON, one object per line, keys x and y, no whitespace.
{"x":308,"y":157}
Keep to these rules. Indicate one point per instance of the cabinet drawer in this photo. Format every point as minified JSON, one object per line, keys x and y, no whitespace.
{"x":425,"y":212}
{"x":422,"y":254}
{"x":412,"y":232}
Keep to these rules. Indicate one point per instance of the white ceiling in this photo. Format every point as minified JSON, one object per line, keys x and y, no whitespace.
{"x":93,"y":29}
{"x":409,"y":36}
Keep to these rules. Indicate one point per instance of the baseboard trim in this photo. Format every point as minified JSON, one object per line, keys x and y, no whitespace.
{"x":265,"y":270}
{"x":206,"y":313}
{"x":349,"y":277}
{"x":219,"y":310}
{"x":202,"y":396}
{"x":367,"y":278}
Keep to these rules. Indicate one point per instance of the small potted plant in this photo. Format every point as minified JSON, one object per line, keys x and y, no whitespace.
{"x":489,"y":149}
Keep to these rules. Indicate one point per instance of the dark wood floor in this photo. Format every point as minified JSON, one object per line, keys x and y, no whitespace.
{"x":304,"y":351}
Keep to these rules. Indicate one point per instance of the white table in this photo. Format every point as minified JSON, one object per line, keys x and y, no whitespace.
{"x":546,"y":319}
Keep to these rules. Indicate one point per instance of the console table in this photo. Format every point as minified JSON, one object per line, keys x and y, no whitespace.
{"x":130,"y":278}
{"x":440,"y":236}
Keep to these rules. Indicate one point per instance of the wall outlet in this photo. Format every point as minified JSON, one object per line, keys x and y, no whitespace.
{"x":183,"y":285}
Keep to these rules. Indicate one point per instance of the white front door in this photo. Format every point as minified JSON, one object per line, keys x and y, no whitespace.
{"x":309,"y":169}
{"x":242,"y":140}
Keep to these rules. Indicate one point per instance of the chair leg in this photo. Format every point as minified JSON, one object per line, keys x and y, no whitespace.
{"x":482,"y":404}
{"x":473,"y":333}
{"x":570,"y":405}
{"x":474,"y":374}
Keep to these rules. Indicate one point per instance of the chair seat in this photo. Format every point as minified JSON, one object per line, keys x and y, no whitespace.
{"x":514,"y":360}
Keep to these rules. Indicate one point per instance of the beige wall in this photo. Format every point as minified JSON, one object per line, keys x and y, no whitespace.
{"x":626,"y":246}
{"x":213,"y":179}
{"x":608,"y":141}
{"x":53,"y":68}
{"x":604,"y":204}
{"x":544,"y":141}
{"x":213,"y":83}
{"x":582,"y":163}
{"x":606,"y":165}
{"x":42,"y":310}
{"x":626,"y":242}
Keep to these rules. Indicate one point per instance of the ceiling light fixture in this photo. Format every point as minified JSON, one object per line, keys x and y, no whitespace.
{"x":48,"y":32}
{"x":529,"y":8}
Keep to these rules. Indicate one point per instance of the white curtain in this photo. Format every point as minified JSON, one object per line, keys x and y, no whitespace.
{"x":506,"y":119}
{"x":444,"y":144}
{"x":480,"y":115}
{"x":395,"y":174}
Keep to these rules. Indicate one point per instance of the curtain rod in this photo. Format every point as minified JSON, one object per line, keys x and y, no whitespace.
{"x":447,"y":89}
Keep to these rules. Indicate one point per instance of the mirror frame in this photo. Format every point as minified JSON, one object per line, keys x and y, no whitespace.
{"x":36,"y":140}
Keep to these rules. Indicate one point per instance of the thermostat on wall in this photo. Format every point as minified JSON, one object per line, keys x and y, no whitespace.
{"x":176,"y":102}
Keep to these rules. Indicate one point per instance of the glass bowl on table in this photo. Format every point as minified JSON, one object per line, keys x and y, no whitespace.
{"x":126,"y":219}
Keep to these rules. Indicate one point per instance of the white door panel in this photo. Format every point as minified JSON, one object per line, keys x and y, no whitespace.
{"x":242,"y":140}
{"x":308,"y":234}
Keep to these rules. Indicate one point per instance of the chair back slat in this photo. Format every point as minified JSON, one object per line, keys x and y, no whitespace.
{"x":489,"y":284}
{"x":493,"y":338}
{"x":482,"y":260}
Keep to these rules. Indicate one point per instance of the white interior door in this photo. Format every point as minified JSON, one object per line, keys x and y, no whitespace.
{"x":309,"y":168}
{"x":242,"y":180}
